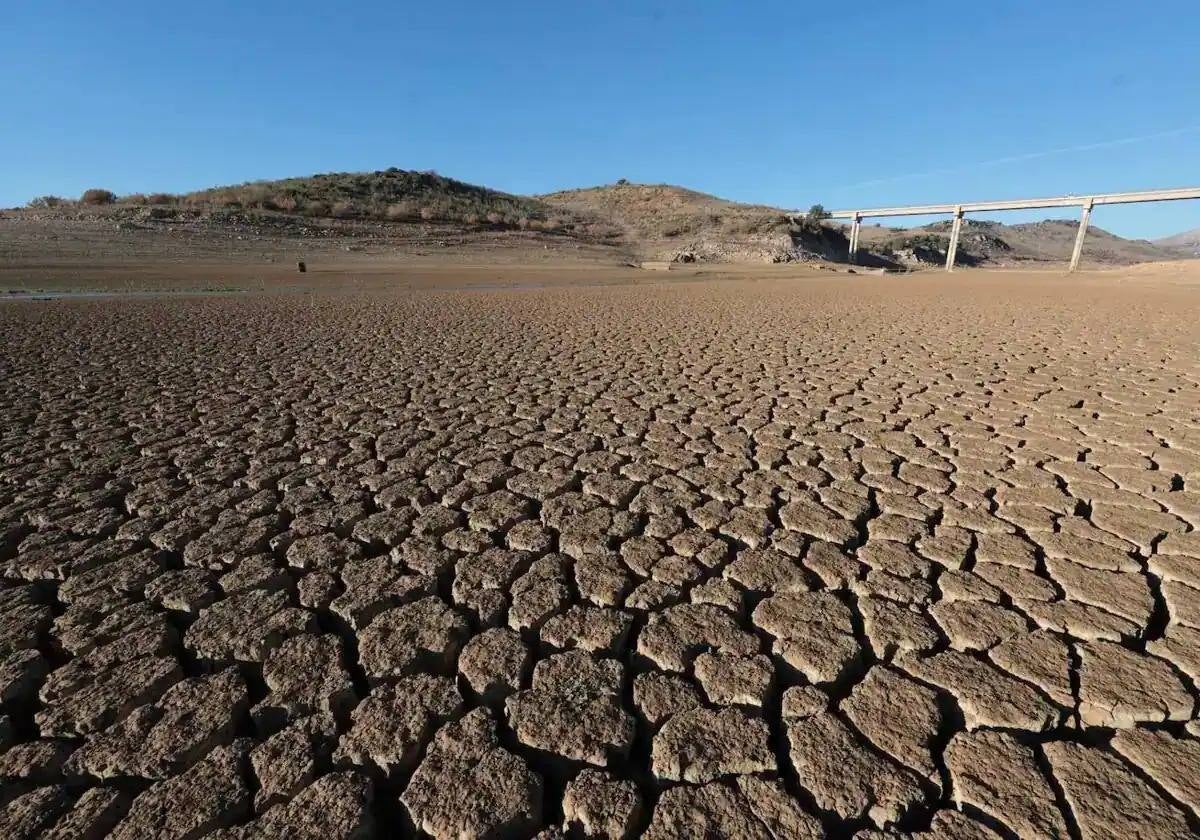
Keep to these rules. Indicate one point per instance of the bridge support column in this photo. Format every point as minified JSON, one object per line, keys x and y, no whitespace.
{"x":1079,"y":237}
{"x":854,"y":229}
{"x":955,"y":230}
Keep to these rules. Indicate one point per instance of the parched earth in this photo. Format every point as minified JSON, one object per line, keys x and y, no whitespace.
{"x":845,"y":557}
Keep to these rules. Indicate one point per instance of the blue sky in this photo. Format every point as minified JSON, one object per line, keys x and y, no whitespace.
{"x":846,"y":104}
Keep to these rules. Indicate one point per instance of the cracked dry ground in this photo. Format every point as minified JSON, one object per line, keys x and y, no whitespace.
{"x":756,"y":560}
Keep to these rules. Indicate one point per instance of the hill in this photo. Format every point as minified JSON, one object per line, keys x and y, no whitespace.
{"x":402,"y":211}
{"x":997,"y":244}
{"x":1188,"y":242}
{"x":670,"y":222}
{"x":662,"y":221}
{"x":394,"y":194}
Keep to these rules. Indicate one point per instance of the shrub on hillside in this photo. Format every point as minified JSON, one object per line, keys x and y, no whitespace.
{"x":284,"y":203}
{"x":401,"y":211}
{"x":98,"y":196}
{"x":45,"y":202}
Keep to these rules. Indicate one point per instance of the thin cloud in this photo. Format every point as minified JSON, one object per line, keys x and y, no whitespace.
{"x":1082,"y":147}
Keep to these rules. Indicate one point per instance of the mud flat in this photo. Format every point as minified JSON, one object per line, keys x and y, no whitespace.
{"x":749,"y":553}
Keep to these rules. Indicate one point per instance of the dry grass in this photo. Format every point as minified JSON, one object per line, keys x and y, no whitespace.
{"x":663,"y":211}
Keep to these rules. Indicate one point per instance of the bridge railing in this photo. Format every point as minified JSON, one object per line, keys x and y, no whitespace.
{"x":1085,"y":202}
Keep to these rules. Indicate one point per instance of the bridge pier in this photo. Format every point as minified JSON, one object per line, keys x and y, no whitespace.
{"x":955,"y":230}
{"x":1084,"y":218}
{"x":854,"y":229}
{"x":958,"y":210}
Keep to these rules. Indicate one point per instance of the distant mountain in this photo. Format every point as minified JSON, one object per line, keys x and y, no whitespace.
{"x":1188,"y":242}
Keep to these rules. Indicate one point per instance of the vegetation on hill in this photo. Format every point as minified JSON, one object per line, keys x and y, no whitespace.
{"x":663,"y":211}
{"x":655,"y":221}
{"x":393,"y":194}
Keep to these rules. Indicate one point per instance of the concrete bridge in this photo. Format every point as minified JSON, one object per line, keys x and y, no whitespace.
{"x":1086,"y":202}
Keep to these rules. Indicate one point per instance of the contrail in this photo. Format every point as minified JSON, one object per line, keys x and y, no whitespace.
{"x":1083,"y":147}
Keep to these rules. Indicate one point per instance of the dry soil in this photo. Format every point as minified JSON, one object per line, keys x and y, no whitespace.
{"x":577,"y":552}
